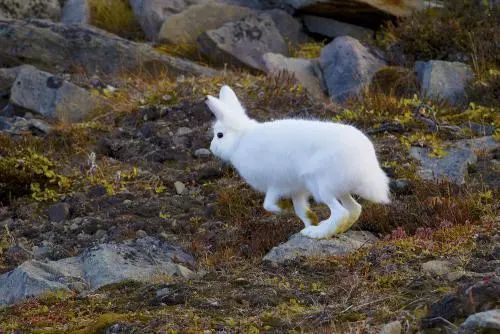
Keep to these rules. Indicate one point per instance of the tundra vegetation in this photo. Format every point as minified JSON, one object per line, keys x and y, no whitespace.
{"x":117,"y":169}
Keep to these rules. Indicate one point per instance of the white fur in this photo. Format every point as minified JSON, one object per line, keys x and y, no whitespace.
{"x":298,"y":159}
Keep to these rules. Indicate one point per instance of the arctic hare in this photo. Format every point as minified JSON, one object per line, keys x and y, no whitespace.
{"x":295,"y":159}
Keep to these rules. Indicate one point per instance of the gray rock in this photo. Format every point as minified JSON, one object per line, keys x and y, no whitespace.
{"x":76,"y":12}
{"x":20,"y":125}
{"x":392,"y":328}
{"x":185,"y":27}
{"x":27,"y":9}
{"x":453,"y":166}
{"x":333,"y":28}
{"x":59,"y":47}
{"x":437,"y":267}
{"x":356,"y":9}
{"x":58,"y":212}
{"x":7,"y":78}
{"x":141,"y":260}
{"x":183,"y":131}
{"x":289,"y":27}
{"x":180,"y":187}
{"x":348,"y":67}
{"x":444,"y":80}
{"x":244,"y":42}
{"x":303,"y":70}
{"x":300,"y":246}
{"x":202,"y":153}
{"x":151,"y":14}
{"x":38,"y":125}
{"x":51,"y":96}
{"x":482,"y":322}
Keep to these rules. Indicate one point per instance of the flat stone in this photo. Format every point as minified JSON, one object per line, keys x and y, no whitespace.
{"x":453,"y":166}
{"x":299,"y":246}
{"x":141,"y":260}
{"x":333,"y":28}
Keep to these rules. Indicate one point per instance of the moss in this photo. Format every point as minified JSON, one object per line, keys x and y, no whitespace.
{"x":309,"y":50}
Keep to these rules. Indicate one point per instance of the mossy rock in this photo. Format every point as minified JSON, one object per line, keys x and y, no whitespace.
{"x":394,"y":80}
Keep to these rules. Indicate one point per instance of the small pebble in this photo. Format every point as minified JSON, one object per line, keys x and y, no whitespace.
{"x":202,"y":153}
{"x":180,"y":188}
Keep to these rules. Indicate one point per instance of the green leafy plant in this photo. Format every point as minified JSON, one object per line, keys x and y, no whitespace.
{"x":25,"y":171}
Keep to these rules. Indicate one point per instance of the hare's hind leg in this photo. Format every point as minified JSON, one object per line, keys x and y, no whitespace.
{"x":334,"y":225}
{"x":354,"y":209}
{"x":302,"y":209}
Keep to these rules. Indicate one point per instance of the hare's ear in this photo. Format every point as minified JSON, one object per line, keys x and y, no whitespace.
{"x":228,"y":96}
{"x":217,"y":107}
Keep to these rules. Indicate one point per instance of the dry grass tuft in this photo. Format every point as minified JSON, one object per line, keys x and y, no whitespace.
{"x":115,"y":16}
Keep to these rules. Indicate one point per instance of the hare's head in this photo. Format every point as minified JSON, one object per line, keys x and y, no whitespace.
{"x":231,"y":123}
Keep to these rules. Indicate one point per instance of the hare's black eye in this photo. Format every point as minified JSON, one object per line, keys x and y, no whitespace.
{"x":220,"y":135}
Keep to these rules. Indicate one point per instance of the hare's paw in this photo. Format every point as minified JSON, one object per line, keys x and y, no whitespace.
{"x":316,"y":232}
{"x":273,"y":208}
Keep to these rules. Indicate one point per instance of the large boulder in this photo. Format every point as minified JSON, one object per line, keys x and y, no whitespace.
{"x":453,"y":166}
{"x":76,"y":12}
{"x":348,"y":67}
{"x":51,"y":96}
{"x":289,"y":27}
{"x":185,"y":27}
{"x":244,"y":42}
{"x":56,"y":47}
{"x":26,"y":9}
{"x":333,"y":28}
{"x":299,"y":246}
{"x":145,"y":260}
{"x":366,"y":12}
{"x":152,"y":13}
{"x":305,"y":71}
{"x":444,"y":80}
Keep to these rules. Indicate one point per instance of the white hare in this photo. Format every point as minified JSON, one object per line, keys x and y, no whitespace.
{"x":295,"y":159}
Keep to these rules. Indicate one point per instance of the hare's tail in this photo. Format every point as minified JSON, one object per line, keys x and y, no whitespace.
{"x":376,"y":187}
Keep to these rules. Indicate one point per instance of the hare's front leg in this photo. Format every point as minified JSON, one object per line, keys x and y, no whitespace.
{"x":339,"y":218}
{"x":271,"y":201}
{"x":302,"y":209}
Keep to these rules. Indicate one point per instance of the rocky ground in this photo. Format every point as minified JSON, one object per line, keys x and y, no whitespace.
{"x":116,"y":218}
